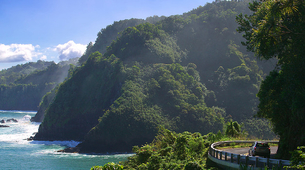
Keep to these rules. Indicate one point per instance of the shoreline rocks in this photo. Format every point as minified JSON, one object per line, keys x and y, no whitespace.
{"x":12,"y":120}
{"x":4,"y":126}
{"x":71,"y":150}
{"x":78,"y":150}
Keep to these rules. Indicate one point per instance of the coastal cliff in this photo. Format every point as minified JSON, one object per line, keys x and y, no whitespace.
{"x":185,"y":73}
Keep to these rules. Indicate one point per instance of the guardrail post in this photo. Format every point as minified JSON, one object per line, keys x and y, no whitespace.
{"x":238,"y":159}
{"x":226,"y":156}
{"x":280,"y":164}
{"x":212,"y":152}
{"x":232,"y":157}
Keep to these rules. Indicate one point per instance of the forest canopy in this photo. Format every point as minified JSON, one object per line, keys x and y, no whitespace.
{"x":275,"y":30}
{"x":185,"y":72}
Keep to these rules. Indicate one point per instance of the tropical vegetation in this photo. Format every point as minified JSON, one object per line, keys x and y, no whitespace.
{"x":184,"y":72}
{"x":23,"y":86}
{"x":275,"y":30}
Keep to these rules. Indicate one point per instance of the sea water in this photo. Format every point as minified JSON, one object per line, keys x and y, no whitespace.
{"x":18,"y":153}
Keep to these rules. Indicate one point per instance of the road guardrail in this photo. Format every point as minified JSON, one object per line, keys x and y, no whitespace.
{"x":235,"y":161}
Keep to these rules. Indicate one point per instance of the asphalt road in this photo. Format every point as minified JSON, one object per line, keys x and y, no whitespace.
{"x":245,"y":150}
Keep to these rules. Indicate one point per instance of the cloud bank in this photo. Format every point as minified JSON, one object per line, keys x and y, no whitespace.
{"x":70,"y":50}
{"x":17,"y":52}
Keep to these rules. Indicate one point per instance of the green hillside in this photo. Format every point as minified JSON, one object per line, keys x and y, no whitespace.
{"x":23,"y":86}
{"x":14,"y":73}
{"x":185,"y":72}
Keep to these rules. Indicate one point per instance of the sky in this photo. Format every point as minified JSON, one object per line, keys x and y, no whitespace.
{"x":56,"y":30}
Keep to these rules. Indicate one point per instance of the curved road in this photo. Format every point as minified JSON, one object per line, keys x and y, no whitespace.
{"x":245,"y":150}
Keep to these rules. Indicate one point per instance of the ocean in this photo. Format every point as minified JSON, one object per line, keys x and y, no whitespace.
{"x":18,"y":153}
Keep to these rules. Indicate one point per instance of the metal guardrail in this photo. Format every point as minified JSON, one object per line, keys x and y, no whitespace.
{"x":235,"y":161}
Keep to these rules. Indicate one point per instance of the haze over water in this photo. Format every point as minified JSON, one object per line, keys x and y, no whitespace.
{"x":17,"y":153}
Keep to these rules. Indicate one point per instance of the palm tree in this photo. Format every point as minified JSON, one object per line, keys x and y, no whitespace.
{"x":233,"y":129}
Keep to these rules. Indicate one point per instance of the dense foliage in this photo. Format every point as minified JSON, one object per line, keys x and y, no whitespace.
{"x":158,"y":95}
{"x":169,"y":150}
{"x":84,"y":96}
{"x":184,"y":72}
{"x":208,"y":35}
{"x":23,"y":86}
{"x":275,"y":30}
{"x":298,"y":158}
{"x":14,"y":73}
{"x":112,"y":32}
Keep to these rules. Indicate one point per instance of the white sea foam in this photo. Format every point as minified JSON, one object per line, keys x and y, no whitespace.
{"x":19,"y":111}
{"x":26,"y":118}
{"x":18,"y":132}
{"x":23,"y":154}
{"x":71,"y":143}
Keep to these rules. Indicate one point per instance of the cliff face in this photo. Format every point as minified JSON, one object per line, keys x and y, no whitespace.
{"x":174,"y":73}
{"x":132,"y":100}
{"x":22,"y":87}
{"x":46,"y":100}
{"x":158,"y":95}
{"x":79,"y":100}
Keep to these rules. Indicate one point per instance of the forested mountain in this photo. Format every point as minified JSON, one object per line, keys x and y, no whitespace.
{"x":23,"y":86}
{"x":111,"y":32}
{"x":184,"y":72}
{"x":12,"y":74}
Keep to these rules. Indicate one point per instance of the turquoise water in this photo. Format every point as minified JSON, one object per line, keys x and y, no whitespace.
{"x":17,"y":153}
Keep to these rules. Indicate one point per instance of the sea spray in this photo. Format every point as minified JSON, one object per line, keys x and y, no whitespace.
{"x":19,"y":153}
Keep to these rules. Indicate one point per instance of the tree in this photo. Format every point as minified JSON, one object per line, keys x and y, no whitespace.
{"x":276,"y":30}
{"x":233,"y":129}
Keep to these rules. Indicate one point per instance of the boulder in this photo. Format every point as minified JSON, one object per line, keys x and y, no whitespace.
{"x":4,"y":126}
{"x":12,"y":120}
{"x":2,"y":121}
{"x":30,"y":138}
{"x":70,"y":150}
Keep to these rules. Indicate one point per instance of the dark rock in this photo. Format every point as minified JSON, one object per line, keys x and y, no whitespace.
{"x":2,"y":121}
{"x":4,"y":126}
{"x":12,"y":120}
{"x":70,"y":150}
{"x":30,"y":138}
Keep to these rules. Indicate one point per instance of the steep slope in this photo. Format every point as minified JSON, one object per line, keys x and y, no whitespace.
{"x":120,"y":97}
{"x":209,"y":35}
{"x":12,"y":74}
{"x":104,"y":87}
{"x":157,"y":95}
{"x":112,"y":32}
{"x":26,"y":90}
{"x":79,"y":100}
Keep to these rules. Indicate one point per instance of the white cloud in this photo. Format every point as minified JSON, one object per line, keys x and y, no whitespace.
{"x":17,"y":52}
{"x":44,"y":57}
{"x":70,"y":50}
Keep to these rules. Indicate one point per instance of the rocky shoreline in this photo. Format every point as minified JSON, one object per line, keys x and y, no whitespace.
{"x":4,"y":126}
{"x":70,"y":150}
{"x":7,"y":121}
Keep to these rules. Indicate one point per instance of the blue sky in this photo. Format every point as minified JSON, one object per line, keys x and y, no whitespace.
{"x":54,"y":30}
